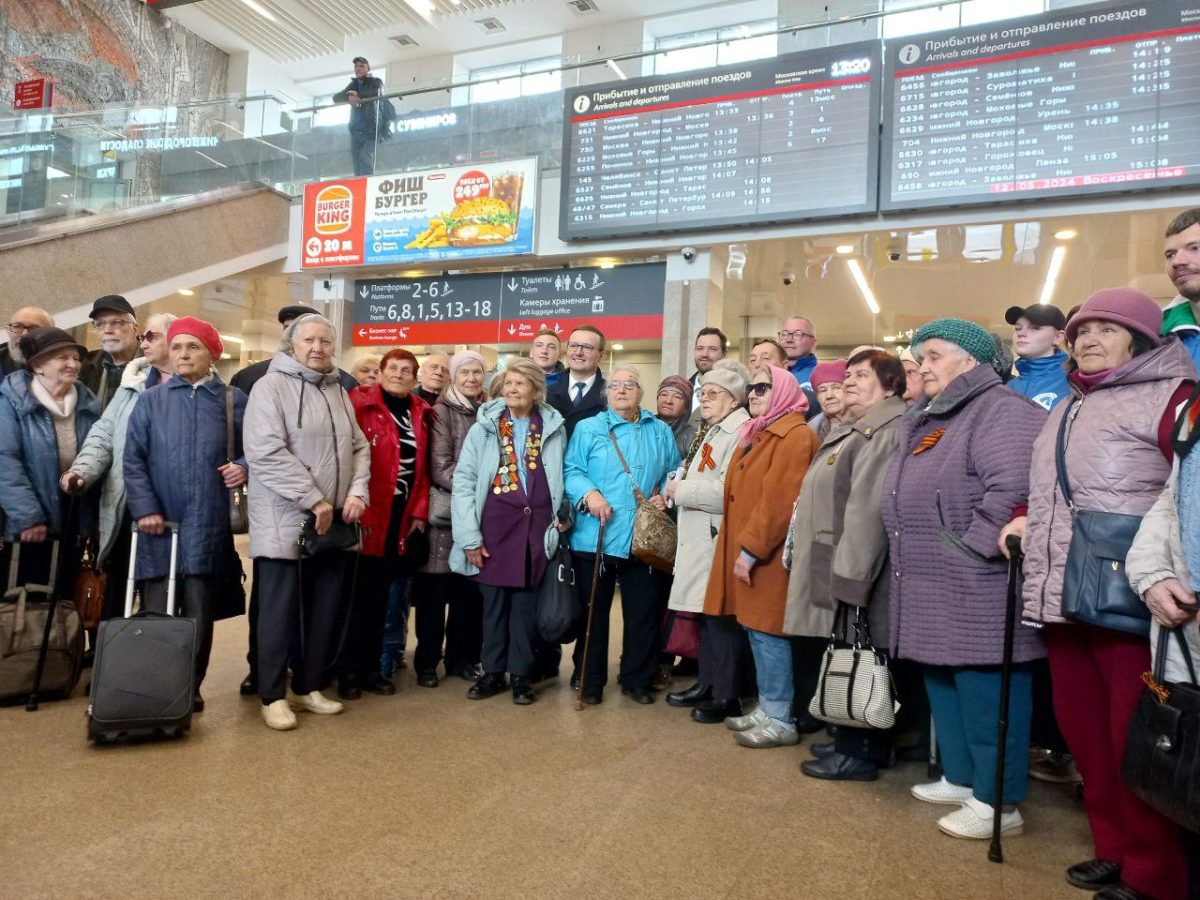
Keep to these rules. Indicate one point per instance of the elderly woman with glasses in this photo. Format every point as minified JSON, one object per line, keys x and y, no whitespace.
{"x":621,"y":447}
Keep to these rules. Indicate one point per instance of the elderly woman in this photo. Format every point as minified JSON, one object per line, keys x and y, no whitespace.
{"x":45,"y":415}
{"x":840,"y":547}
{"x":308,"y":461}
{"x":674,"y":403}
{"x":395,"y":422}
{"x":699,"y":495}
{"x":436,"y":585}
{"x":507,"y":486}
{"x":601,"y":485}
{"x":748,"y":580}
{"x":101,"y":459}
{"x":914,"y":387}
{"x":1114,"y":434}
{"x":366,"y":370}
{"x":177,"y":469}
{"x":827,"y":380}
{"x":961,"y":471}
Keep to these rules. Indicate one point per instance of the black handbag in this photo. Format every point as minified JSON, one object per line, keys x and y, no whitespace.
{"x":1095,"y":588}
{"x":1161,"y":764}
{"x":558,"y":608}
{"x":340,"y":536}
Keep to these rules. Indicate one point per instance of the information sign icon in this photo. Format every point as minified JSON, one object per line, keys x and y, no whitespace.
{"x":909,"y":54}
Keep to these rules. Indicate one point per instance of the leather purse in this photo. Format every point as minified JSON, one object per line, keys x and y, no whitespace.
{"x":1095,"y":588}
{"x":855,"y":685}
{"x":239,"y":509}
{"x":439,"y":506}
{"x":340,"y":536}
{"x":683,"y":634}
{"x":559,"y":610}
{"x":88,"y":591}
{"x":655,"y":535}
{"x":1161,"y":764}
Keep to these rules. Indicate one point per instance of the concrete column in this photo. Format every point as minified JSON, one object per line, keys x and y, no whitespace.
{"x":693,"y":299}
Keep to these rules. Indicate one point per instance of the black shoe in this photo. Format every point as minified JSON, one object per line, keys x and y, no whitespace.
{"x":467,"y":672}
{"x":249,"y":686}
{"x":1120,"y":891}
{"x":1094,"y":874}
{"x":839,"y":767}
{"x":637,"y":694}
{"x":487,"y":686}
{"x":821,"y":750}
{"x":349,"y":688}
{"x":197,"y":703}
{"x":807,"y":723}
{"x":695,"y":695}
{"x":714,"y":712}
{"x":89,"y":656}
{"x":522,"y":690}
{"x":427,"y":679}
{"x":594,"y":699}
{"x":544,"y":675}
{"x":575,"y":681}
{"x":377,"y":684}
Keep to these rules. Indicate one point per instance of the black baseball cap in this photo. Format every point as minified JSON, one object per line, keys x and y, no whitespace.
{"x":1039,"y":315}
{"x":294,"y":312}
{"x":112,"y":303}
{"x":360,"y":59}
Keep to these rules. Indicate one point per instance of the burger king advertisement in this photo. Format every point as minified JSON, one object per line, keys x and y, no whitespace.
{"x":466,"y":212}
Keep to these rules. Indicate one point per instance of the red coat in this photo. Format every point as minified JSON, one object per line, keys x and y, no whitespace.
{"x":376,"y":423}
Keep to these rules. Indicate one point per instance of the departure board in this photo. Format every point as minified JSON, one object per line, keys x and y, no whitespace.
{"x":785,"y":139}
{"x":1086,"y":100}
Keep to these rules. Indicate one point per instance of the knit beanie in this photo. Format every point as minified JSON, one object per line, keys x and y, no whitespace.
{"x":679,"y":384}
{"x":463,"y":356}
{"x":728,"y":375}
{"x":1125,"y":306}
{"x":199,"y":329}
{"x":972,"y":338}
{"x":830,"y":370}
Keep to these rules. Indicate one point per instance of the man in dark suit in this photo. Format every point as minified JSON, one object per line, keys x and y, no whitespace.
{"x":582,"y":393}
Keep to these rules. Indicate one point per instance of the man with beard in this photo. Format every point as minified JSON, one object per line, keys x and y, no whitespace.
{"x":116,"y":323}
{"x":709,"y":347}
{"x":1182,"y":252}
{"x":25,"y":319}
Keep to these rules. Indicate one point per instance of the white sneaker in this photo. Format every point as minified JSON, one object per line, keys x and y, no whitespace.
{"x":745,"y":723}
{"x":769,"y":734}
{"x":318,"y":703}
{"x":279,"y":715}
{"x":973,"y":821}
{"x":942,"y":792}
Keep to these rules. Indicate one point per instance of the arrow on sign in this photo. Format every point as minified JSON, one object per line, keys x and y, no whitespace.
{"x":556,"y":328}
{"x":512,"y":284}
{"x":362,"y":332}
{"x":363,"y":292}
{"x":512,"y":329}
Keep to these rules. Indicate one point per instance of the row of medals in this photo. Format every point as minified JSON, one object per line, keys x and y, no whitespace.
{"x":510,"y":470}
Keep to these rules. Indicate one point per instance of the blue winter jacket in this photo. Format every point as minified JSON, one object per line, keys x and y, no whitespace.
{"x":1042,"y":380}
{"x":592,"y":464}
{"x":29,"y":493}
{"x":174,"y":446}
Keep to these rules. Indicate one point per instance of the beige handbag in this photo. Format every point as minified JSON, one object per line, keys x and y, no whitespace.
{"x":654,"y":532}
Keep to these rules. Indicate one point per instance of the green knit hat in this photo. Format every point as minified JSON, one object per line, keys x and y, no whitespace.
{"x":975,"y":340}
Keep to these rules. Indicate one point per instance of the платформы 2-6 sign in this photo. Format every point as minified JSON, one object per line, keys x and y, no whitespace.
{"x":464,"y":212}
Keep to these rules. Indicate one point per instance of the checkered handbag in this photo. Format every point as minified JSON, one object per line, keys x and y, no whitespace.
{"x":855,"y":687}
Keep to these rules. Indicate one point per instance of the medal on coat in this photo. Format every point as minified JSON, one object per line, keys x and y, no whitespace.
{"x":507,"y":478}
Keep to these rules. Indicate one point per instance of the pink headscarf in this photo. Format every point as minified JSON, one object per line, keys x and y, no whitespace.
{"x":786,"y":397}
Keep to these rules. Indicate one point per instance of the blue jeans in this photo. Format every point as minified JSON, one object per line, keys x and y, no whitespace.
{"x":395,"y":627}
{"x":773,"y":667}
{"x":966,"y":710}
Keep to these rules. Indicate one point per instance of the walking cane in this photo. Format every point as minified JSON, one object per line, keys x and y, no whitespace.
{"x":587,"y":635}
{"x":1013,"y":544}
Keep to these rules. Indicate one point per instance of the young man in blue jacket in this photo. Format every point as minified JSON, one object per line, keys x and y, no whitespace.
{"x":1038,"y":333}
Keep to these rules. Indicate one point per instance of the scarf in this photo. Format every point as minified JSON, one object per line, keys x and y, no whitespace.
{"x":454,"y":395}
{"x":786,"y":397}
{"x":62,"y":414}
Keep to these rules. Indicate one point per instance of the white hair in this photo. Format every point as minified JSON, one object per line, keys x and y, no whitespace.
{"x":633,"y":370}
{"x":287,"y":343}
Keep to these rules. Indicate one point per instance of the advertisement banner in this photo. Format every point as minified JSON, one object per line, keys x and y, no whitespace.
{"x":435,"y":215}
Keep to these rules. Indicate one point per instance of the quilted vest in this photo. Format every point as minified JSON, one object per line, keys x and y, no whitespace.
{"x":1113,"y":461}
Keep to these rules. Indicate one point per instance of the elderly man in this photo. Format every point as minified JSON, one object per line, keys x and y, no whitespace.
{"x":545,"y":350}
{"x":116,"y":323}
{"x":709,"y":347}
{"x":766,"y":352}
{"x":799,"y":339}
{"x":25,"y":319}
{"x":433,"y":377}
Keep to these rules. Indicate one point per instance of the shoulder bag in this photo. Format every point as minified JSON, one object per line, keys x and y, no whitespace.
{"x":1095,"y":589}
{"x":239,"y":511}
{"x":1161,"y":764}
{"x":439,"y":506}
{"x":88,"y":591}
{"x":855,"y":686}
{"x":654,"y":533}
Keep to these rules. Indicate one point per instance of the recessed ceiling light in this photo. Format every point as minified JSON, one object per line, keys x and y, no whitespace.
{"x":607,"y":264}
{"x":618,"y":346}
{"x":1066,"y":234}
{"x":186,"y":292}
{"x":864,"y":288}
{"x":845,"y":249}
{"x":260,"y":9}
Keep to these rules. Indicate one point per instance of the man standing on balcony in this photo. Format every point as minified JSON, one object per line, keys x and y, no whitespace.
{"x":364,"y":117}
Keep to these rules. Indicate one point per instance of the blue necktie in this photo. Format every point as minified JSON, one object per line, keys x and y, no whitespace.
{"x":578,"y":394}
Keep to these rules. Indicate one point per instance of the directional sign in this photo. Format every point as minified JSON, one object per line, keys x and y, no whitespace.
{"x":511,"y":307}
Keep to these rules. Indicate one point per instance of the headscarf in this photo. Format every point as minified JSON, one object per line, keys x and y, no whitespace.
{"x":786,"y":397}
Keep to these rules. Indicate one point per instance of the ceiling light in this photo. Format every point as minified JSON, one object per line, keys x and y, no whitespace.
{"x":1066,"y":234}
{"x":865,"y":289}
{"x":612,"y":64}
{"x":260,"y":9}
{"x":607,"y":264}
{"x":186,"y":292}
{"x":618,"y":346}
{"x":229,"y":339}
{"x":1052,"y":272}
{"x":889,"y":339}
{"x":845,"y":249}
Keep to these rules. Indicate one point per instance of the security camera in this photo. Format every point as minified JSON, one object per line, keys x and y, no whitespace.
{"x":894,"y":255}
{"x":788,"y":276}
{"x":688,"y":254}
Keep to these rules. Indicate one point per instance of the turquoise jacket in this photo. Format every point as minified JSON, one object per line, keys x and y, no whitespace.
{"x":476,"y":467}
{"x":592,"y":464}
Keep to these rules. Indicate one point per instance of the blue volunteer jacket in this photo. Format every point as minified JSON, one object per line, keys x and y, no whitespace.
{"x":1042,"y":380}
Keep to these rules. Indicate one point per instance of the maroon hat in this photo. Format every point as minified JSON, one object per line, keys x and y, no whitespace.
{"x":197,"y":328}
{"x":679,"y":385}
{"x":830,"y":370}
{"x":1134,"y":310}
{"x":1039,"y":315}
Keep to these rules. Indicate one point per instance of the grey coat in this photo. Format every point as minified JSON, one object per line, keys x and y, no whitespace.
{"x":303,"y":445}
{"x":841,"y":546}
{"x":451,"y":422}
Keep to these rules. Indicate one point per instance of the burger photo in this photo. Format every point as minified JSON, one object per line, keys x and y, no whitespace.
{"x":481,"y":221}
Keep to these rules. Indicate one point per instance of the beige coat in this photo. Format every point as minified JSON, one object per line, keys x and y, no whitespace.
{"x":841,"y":546}
{"x":700,"y":499}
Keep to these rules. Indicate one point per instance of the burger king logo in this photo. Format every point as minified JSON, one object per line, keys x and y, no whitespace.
{"x":333,"y":209}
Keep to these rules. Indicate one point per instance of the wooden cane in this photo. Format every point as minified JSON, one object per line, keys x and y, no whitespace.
{"x":587,"y":635}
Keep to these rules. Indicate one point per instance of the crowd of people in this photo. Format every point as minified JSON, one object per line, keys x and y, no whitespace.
{"x":873,"y":492}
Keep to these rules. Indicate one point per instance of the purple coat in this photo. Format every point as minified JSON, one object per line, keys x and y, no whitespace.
{"x":944,"y":508}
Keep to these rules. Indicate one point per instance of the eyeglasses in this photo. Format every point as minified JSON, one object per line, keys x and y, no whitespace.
{"x":113,"y":324}
{"x":628,"y":385}
{"x":20,"y":327}
{"x":712,"y":394}
{"x":149,"y":337}
{"x":586,"y":348}
{"x":758,"y":389}
{"x":788,"y":335}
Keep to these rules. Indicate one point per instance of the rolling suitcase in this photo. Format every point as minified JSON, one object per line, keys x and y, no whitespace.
{"x":144,"y":675}
{"x":41,"y":638}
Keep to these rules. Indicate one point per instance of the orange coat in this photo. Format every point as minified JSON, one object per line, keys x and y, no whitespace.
{"x":760,"y":491}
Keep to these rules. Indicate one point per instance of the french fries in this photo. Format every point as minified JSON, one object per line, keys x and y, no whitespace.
{"x":433,"y":236}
